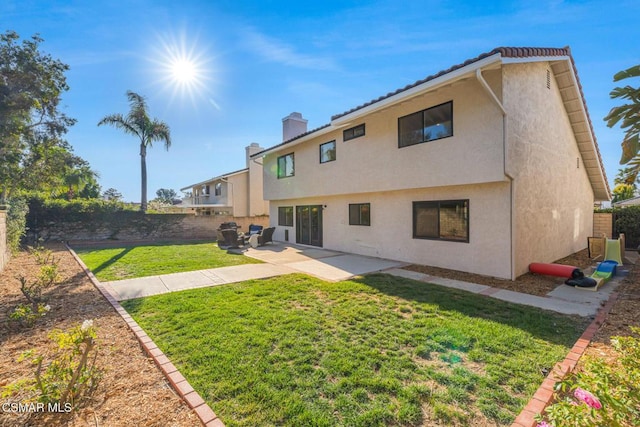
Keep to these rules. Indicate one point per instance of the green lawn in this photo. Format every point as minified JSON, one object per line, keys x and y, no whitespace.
{"x":125,"y":262}
{"x":380,"y":350}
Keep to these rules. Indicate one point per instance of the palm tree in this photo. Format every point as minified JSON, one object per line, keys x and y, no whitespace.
{"x":138,"y":123}
{"x":80,"y":179}
{"x":629,"y":114}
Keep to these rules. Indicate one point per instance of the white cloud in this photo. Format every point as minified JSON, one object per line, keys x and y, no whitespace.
{"x":276,"y":51}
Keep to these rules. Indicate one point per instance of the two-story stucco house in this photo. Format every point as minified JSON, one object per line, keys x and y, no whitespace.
{"x":237,"y":193}
{"x":484,"y":167}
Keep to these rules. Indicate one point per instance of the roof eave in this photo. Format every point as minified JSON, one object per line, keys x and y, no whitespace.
{"x":420,"y":89}
{"x":520,"y":60}
{"x":296,"y":141}
{"x":215,"y":178}
{"x":601,"y":190}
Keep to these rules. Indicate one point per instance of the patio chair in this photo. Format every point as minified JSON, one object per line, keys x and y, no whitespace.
{"x":266,"y":236}
{"x":228,"y":225}
{"x":255,"y":229}
{"x":232,"y":239}
{"x":220,"y":239}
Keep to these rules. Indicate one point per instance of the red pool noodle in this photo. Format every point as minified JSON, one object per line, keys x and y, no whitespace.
{"x":554,"y":270}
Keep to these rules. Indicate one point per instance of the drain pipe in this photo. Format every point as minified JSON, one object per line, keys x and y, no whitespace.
{"x":506,"y":172}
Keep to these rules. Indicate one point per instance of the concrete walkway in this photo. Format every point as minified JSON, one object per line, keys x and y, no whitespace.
{"x":564,"y":299}
{"x":154,"y":285}
{"x":278,"y":258}
{"x":284,"y":258}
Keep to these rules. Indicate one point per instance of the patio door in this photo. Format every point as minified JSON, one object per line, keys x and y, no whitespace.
{"x":309,"y":225}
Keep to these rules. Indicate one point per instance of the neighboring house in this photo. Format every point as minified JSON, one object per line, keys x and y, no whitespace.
{"x":484,"y":167}
{"x":237,"y":193}
{"x":634,"y":201}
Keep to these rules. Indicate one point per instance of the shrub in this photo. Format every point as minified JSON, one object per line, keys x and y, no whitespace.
{"x":603,"y":393}
{"x":60,"y":219}
{"x":628,"y":222}
{"x":69,"y":377}
{"x":47,"y":277}
{"x":25,"y":314}
{"x":16,"y":222}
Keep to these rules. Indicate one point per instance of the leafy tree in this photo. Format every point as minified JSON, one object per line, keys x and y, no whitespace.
{"x":31,"y":123}
{"x":166,"y":195}
{"x":91,"y":190}
{"x":622,"y":192}
{"x":629,"y":116}
{"x":138,"y":123}
{"x":622,"y":177}
{"x":112,"y":194}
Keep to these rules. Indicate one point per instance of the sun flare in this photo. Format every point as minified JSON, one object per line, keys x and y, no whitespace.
{"x":183,"y":71}
{"x":182,"y":67}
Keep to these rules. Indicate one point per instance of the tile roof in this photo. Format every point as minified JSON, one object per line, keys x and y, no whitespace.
{"x":505,"y":52}
{"x":309,"y":132}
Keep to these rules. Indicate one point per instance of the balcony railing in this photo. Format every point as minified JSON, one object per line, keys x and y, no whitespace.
{"x":205,"y":200}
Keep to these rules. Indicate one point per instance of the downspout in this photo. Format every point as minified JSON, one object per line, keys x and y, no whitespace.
{"x":506,"y":172}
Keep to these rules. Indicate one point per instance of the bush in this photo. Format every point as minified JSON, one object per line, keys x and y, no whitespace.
{"x":16,"y":222}
{"x":603,"y":393}
{"x":628,"y":222}
{"x":26,"y":316}
{"x":42,"y":210}
{"x":47,"y":277}
{"x":68,"y":377}
{"x":91,"y":218}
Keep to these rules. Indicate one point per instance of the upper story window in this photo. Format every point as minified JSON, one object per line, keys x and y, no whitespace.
{"x":441,"y":220}
{"x":327,"y":152}
{"x":217,"y":190}
{"x":353,"y":132}
{"x":206,"y":190}
{"x":286,"y":166}
{"x":426,"y":125}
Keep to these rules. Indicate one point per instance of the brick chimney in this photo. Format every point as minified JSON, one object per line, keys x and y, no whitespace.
{"x":293,"y":125}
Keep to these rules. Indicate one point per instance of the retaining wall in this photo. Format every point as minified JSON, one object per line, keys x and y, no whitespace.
{"x":129,"y":226}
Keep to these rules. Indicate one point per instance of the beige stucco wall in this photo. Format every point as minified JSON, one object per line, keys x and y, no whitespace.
{"x":237,"y":191}
{"x":551,"y":196}
{"x":371,"y":163}
{"x":257,"y":205}
{"x":391,"y":230}
{"x":552,"y":193}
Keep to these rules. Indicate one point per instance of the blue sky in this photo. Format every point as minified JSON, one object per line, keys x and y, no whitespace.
{"x":258,"y":61}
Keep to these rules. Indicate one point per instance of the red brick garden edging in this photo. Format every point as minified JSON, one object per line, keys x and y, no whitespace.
{"x":175,"y":378}
{"x":544,"y":394}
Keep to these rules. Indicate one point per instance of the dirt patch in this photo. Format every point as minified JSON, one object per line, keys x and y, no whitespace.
{"x":529,"y":283}
{"x":624,"y":313}
{"x":132,"y":392}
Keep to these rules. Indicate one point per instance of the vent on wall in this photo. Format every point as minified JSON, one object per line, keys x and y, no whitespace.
{"x":548,"y":79}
